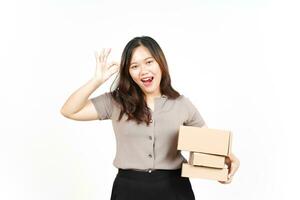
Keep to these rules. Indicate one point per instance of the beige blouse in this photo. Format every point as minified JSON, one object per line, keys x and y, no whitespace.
{"x":148,"y":148}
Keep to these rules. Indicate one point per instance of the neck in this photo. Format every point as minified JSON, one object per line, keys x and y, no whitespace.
{"x":152,"y":97}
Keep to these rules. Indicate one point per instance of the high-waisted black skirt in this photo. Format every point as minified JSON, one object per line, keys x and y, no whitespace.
{"x":157,"y":185}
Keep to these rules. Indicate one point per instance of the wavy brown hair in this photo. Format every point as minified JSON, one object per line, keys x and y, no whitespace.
{"x":128,"y":94}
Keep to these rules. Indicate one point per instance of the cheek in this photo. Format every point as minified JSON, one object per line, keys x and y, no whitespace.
{"x":158,"y":71}
{"x":134,"y":76}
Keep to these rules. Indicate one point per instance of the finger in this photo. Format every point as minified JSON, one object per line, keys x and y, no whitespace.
{"x":108,"y":51}
{"x":112,"y":64}
{"x":102,"y":55}
{"x":113,"y":69}
{"x":106,"y":54}
{"x":229,"y":180}
{"x":224,"y":182}
{"x":233,"y":169}
{"x":96,"y":55}
{"x":229,"y":177}
{"x":116,"y":63}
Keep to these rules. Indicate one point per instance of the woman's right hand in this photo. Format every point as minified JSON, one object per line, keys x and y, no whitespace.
{"x":104,"y":70}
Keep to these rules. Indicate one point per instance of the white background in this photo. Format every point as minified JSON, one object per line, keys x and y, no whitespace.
{"x":236,"y":60}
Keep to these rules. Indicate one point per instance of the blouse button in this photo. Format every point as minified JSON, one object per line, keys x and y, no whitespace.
{"x":150,"y":137}
{"x":150,"y":156}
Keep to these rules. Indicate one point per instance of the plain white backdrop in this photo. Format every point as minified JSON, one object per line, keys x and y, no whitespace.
{"x":236,"y":60}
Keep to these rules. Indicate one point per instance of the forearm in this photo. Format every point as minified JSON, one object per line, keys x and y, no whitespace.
{"x":78,"y":99}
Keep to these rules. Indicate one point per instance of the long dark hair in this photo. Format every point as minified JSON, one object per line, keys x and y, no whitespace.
{"x":128,"y":94}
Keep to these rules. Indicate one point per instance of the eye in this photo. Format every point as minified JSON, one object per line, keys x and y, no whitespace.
{"x":150,"y":61}
{"x":133,"y":66}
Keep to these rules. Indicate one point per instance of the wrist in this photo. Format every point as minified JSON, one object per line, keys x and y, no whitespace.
{"x":96,"y":82}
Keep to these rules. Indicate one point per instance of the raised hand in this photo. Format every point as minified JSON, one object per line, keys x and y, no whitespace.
{"x":105,"y":70}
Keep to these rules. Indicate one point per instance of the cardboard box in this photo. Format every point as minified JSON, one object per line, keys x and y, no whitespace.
{"x":208,"y":149}
{"x":204,"y":140}
{"x":207,"y":160}
{"x":204,"y":172}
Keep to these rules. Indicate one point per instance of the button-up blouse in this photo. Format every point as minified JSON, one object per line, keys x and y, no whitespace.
{"x":143,"y":147}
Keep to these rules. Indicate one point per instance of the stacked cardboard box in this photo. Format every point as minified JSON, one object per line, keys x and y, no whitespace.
{"x":208,"y":149}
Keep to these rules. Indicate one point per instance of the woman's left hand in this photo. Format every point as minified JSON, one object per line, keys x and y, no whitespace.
{"x":233,"y":164}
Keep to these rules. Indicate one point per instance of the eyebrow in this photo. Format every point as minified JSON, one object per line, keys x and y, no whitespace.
{"x":144,"y":59}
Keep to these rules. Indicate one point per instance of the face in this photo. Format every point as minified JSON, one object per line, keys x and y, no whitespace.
{"x":144,"y":66}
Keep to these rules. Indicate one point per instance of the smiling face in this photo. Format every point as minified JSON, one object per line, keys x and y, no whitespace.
{"x":142,"y":67}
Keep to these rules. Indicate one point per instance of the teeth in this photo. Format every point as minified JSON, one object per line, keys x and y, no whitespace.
{"x":147,"y":79}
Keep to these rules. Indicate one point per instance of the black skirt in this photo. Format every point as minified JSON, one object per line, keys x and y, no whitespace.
{"x":155,"y":185}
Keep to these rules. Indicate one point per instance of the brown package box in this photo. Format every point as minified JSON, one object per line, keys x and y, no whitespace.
{"x":204,"y":140}
{"x":204,"y":172}
{"x":207,"y":160}
{"x":211,"y":144}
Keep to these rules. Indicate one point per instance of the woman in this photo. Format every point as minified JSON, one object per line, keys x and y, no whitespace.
{"x":146,"y":113}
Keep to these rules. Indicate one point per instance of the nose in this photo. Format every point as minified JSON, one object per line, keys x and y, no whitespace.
{"x":144,"y":69}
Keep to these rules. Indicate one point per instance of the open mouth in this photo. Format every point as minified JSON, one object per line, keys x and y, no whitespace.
{"x":147,"y":81}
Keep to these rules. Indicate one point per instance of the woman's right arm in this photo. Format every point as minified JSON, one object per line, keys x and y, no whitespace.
{"x":78,"y":106}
